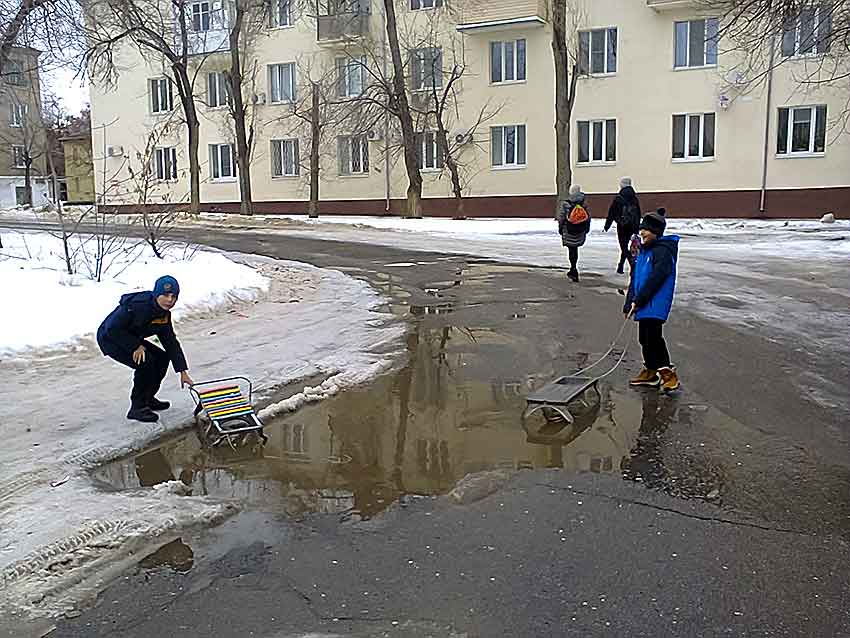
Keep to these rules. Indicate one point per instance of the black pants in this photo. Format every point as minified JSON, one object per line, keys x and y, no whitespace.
{"x":573,"y":251}
{"x":624,"y":236}
{"x":147,"y":376}
{"x":651,"y":339}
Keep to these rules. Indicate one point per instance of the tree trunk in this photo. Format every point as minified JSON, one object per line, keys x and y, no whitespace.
{"x":563,"y":104}
{"x":315,"y":139}
{"x":402,"y":111}
{"x":238,"y":112}
{"x":28,"y":183}
{"x":187,"y":100}
{"x":452,"y":165}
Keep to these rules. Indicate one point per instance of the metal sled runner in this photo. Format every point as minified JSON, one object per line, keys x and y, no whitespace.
{"x":229,"y":412}
{"x":558,"y":394}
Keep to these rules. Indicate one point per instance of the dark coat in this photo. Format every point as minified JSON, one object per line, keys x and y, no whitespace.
{"x":139,"y":316}
{"x":572,"y":234}
{"x":653,"y":279}
{"x":615,"y":211}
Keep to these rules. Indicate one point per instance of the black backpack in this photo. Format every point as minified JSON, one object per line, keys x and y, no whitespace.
{"x":630,"y":215}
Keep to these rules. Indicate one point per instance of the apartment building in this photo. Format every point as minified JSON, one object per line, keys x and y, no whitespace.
{"x":659,"y":99}
{"x":22,"y":134}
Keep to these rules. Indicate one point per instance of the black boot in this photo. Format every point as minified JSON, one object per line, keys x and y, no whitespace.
{"x":156,"y":404}
{"x":620,"y":270}
{"x":143,"y":414}
{"x":573,"y":274}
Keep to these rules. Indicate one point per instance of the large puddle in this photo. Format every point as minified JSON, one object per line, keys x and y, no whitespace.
{"x":480,"y":341}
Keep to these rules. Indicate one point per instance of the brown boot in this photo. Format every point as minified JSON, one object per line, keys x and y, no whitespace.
{"x":646,"y":377}
{"x":669,"y":379}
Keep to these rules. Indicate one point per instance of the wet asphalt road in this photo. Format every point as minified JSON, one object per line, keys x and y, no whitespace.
{"x":732,"y":518}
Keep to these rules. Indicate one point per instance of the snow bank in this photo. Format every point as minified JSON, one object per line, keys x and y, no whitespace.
{"x":54,"y":309}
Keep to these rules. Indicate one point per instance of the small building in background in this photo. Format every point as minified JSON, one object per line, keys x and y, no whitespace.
{"x":79,"y":168}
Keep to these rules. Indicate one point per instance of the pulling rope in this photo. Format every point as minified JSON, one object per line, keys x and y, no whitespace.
{"x":607,"y":352}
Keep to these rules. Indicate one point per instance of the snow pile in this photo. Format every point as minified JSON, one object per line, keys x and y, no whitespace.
{"x":54,"y":309}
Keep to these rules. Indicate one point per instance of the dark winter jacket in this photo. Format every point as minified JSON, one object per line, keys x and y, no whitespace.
{"x":653,"y":279}
{"x":615,"y":211}
{"x":139,"y":316}
{"x":573,"y":234}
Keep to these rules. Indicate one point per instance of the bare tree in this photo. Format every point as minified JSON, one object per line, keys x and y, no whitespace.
{"x":760,"y":36}
{"x":167,"y":29}
{"x":565,"y":18}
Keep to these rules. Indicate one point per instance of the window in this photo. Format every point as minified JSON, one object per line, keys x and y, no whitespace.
{"x":597,"y":51}
{"x":693,"y":136}
{"x":282,"y":81}
{"x":14,"y":73}
{"x":507,"y":145}
{"x":165,"y":160}
{"x":696,"y":43}
{"x":426,"y":69}
{"x":507,"y":61}
{"x":201,"y":17}
{"x":285,"y":158}
{"x":353,"y":152}
{"x":18,"y":115}
{"x":19,"y":156}
{"x":162,"y":95}
{"x":801,"y":130}
{"x":430,"y":152}
{"x":597,"y":141}
{"x":281,"y":13}
{"x":416,"y":5}
{"x":809,"y":32}
{"x":350,"y":76}
{"x":222,"y":165}
{"x":218,"y":92}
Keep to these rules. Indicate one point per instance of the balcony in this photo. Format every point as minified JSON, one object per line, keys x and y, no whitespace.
{"x":342,"y":27}
{"x":671,"y":5}
{"x":500,"y":15}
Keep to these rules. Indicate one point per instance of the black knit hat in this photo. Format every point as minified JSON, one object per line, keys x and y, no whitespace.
{"x":654,"y":223}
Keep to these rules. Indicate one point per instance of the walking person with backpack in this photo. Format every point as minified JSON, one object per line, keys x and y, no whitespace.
{"x":573,"y":226}
{"x":625,"y":212}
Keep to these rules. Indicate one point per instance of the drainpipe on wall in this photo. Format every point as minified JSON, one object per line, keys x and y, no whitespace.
{"x":767,"y":127}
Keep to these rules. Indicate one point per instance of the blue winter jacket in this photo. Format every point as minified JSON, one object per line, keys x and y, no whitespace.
{"x":653,"y":279}
{"x":136,"y":317}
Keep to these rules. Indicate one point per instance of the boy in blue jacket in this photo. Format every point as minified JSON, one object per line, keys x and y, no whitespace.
{"x":651,"y":289}
{"x":123,"y":337}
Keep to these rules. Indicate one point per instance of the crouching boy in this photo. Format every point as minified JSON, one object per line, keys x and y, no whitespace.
{"x":650,"y":298}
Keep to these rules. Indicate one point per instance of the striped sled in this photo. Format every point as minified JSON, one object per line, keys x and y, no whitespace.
{"x":224,"y":413}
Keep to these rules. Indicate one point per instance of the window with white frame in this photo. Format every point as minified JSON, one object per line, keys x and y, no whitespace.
{"x":222,"y":165}
{"x":696,"y":43}
{"x":416,"y":5}
{"x":507,"y":61}
{"x":507,"y":145}
{"x":350,"y":76}
{"x":801,"y":130}
{"x":218,"y":92}
{"x":285,"y":158}
{"x":161,"y":95}
{"x":430,"y":151}
{"x":281,"y":13}
{"x":201,"y":16}
{"x":282,"y":82}
{"x":18,"y":114}
{"x":353,"y":153}
{"x":808,"y":32}
{"x":597,"y":51}
{"x":19,"y":156}
{"x":426,"y":68}
{"x":13,"y":73}
{"x":693,"y":136}
{"x":165,"y":163}
{"x":597,"y":141}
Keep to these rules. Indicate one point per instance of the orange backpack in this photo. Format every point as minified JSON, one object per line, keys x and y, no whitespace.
{"x":578,"y":215}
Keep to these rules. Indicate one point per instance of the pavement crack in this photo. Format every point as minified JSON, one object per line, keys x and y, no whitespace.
{"x":672,"y":510}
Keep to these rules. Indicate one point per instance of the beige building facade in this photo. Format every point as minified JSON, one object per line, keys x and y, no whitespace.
{"x":659,"y":100}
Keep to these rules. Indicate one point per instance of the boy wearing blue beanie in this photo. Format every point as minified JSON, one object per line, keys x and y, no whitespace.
{"x":123,"y":337}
